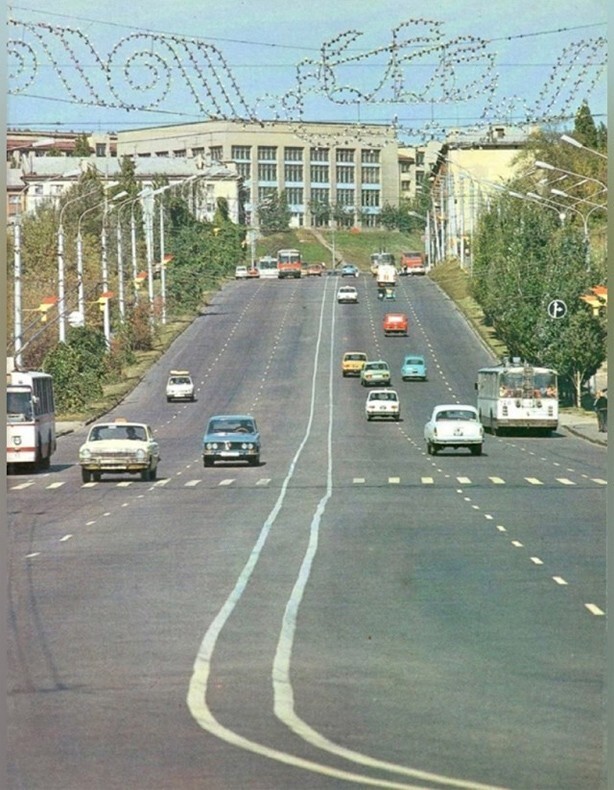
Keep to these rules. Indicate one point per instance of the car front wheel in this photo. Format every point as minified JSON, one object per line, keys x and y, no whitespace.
{"x":86,"y":475}
{"x":476,"y":449}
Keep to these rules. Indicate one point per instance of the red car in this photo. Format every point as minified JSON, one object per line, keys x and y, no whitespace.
{"x":395,"y":324}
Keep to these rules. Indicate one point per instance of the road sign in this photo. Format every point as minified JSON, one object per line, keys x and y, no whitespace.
{"x":557,"y":308}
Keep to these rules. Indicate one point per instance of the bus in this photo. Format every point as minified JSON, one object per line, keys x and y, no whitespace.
{"x":289,"y":263}
{"x":381,"y":259}
{"x":267,"y":266}
{"x":515,"y":394}
{"x":30,"y":419}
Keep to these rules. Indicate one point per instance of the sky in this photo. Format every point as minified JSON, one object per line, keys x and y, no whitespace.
{"x":425,"y":67}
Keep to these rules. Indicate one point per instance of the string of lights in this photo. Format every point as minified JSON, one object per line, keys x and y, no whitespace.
{"x":417,"y":67}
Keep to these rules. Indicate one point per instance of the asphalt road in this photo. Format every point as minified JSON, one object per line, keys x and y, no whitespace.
{"x":352,"y":612}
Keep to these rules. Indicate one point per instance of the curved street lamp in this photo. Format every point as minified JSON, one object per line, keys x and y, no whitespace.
{"x":572,"y":141}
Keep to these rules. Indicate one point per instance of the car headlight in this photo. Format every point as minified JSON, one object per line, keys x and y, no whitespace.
{"x":140,"y":454}
{"x":85,"y":454}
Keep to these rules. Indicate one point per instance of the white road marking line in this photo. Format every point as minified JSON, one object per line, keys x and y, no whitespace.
{"x":559,"y":580}
{"x":427,"y":480}
{"x":394,"y":480}
{"x":55,"y":485}
{"x":565,"y":481}
{"x":594,"y":609}
{"x":534,"y":481}
{"x":33,"y":554}
{"x":89,"y":485}
{"x":264,"y":481}
{"x":537,"y":560}
{"x":358,"y":480}
{"x":517,"y":543}
{"x":228,"y":481}
{"x":488,"y":516}
{"x":21,"y":486}
{"x":192,"y":483}
{"x":124,"y":484}
{"x":496,"y":480}
{"x":463,"y":480}
{"x":501,"y":528}
{"x":599,"y":480}
{"x":161,"y":482}
{"x":66,"y":537}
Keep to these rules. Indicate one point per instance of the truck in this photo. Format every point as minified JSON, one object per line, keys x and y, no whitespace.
{"x":378,"y":258}
{"x":412,"y":263}
{"x":386,"y":275}
{"x":289,"y":264}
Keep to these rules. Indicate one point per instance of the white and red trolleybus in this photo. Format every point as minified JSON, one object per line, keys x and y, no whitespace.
{"x":516,"y":395}
{"x":30,"y":419}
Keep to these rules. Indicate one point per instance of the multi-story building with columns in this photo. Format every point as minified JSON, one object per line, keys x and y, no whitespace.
{"x":353,"y":167}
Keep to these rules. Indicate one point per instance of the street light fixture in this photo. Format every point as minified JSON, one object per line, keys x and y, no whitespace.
{"x":546,"y":166}
{"x":567,"y":139}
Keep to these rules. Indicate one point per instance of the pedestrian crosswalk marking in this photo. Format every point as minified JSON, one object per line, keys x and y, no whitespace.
{"x":565,"y":481}
{"x":534,"y":481}
{"x":496,"y":480}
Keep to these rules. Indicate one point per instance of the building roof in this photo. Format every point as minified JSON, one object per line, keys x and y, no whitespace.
{"x":110,"y":167}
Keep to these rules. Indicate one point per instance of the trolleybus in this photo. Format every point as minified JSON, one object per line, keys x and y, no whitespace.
{"x":30,"y":419}
{"x":518,"y":395}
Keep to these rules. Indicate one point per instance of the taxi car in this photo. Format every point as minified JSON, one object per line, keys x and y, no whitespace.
{"x":179,"y":386}
{"x":413,"y":367}
{"x":383,"y":403}
{"x":375,"y":371}
{"x":347,"y":294}
{"x":395,"y":324}
{"x":119,"y":446}
{"x":231,"y":437}
{"x":454,"y":425}
{"x":353,"y":362}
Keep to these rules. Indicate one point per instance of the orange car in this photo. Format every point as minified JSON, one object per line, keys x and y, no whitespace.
{"x":395,"y":324}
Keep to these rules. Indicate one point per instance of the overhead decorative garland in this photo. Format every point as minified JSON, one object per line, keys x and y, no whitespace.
{"x":143,"y":71}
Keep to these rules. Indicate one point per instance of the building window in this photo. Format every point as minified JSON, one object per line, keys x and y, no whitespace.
{"x":200,"y":151}
{"x":419,"y":158}
{"x":319,"y":154}
{"x":267,"y":172}
{"x":345,"y":197}
{"x":293,"y":173}
{"x":345,"y":174}
{"x":294,"y":196}
{"x":405,"y":186}
{"x":371,"y":175}
{"x":101,"y":149}
{"x":370,"y":198}
{"x":179,"y":152}
{"x":241,"y":153}
{"x":345,"y":154}
{"x":293,"y":154}
{"x":319,"y":174}
{"x":216,"y":153}
{"x":369,"y":155}
{"x":264,"y":193}
{"x":267,"y":153}
{"x":162,"y":154}
{"x":244,"y":169}
{"x":320,"y":195}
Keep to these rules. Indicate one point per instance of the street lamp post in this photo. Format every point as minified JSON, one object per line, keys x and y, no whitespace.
{"x":572,"y":141}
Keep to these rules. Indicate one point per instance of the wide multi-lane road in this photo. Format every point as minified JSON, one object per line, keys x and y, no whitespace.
{"x":352,"y":612}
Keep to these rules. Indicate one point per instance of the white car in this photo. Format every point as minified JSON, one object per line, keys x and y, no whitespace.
{"x":347,"y":294}
{"x":179,"y":386}
{"x":241,"y":273}
{"x":383,"y":403}
{"x":454,"y":425}
{"x":375,"y":372}
{"x":119,"y":446}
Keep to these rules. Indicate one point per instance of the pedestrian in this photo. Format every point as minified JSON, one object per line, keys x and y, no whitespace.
{"x":601,"y":407}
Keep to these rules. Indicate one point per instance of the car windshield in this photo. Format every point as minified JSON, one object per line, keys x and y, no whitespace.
{"x":355,"y":356}
{"x":121,"y":432}
{"x":180,"y":380}
{"x":377,"y":366}
{"x":231,"y":425}
{"x":414,"y":361}
{"x":457,"y":414}
{"x":383,"y":396}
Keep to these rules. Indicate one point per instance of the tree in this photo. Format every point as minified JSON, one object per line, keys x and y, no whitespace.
{"x":585,"y":131}
{"x":274,"y":213}
{"x":82,"y":146}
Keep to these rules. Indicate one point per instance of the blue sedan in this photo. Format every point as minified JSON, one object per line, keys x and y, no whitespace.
{"x":231,"y":437}
{"x":413,"y":367}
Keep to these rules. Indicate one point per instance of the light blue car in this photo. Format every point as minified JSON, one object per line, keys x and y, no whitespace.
{"x":231,"y":437}
{"x":413,"y":367}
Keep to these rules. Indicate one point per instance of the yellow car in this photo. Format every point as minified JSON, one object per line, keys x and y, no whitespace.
{"x":352,"y":363}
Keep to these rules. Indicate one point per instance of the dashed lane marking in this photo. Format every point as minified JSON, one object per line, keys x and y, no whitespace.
{"x":594,"y":609}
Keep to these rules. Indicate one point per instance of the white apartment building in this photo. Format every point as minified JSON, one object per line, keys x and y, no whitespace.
{"x":352,"y":167}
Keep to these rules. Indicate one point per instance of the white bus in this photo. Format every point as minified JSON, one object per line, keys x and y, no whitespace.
{"x":267,"y":266}
{"x":30,"y":419}
{"x":518,"y":395}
